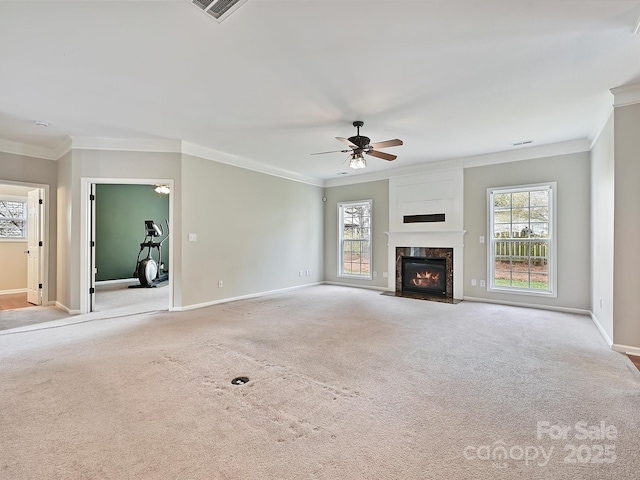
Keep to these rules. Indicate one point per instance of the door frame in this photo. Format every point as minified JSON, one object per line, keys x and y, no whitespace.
{"x":43,"y":269}
{"x":85,"y":232}
{"x":35,"y":243}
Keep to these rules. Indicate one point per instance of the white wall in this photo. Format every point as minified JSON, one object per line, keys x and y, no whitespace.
{"x":28,"y":170}
{"x":68,"y":240}
{"x":255,"y":232}
{"x":96,"y":164}
{"x":602,"y":214}
{"x":572,"y":174}
{"x":434,"y":192}
{"x":379,"y":193}
{"x":14,"y":266}
{"x":626,"y":282}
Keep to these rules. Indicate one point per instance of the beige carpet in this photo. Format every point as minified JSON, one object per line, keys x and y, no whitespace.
{"x":344,"y":384}
{"x":112,"y":300}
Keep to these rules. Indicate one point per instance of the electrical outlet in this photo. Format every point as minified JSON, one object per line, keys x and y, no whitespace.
{"x":481,"y":238}
{"x":220,"y":284}
{"x":483,"y":283}
{"x":301,"y":273}
{"x":473,"y":282}
{"x":193,"y":237}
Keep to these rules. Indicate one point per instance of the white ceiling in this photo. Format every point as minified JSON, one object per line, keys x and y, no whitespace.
{"x":278,"y":80}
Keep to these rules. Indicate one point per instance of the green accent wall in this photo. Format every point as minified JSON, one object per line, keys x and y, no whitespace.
{"x":120,"y":214}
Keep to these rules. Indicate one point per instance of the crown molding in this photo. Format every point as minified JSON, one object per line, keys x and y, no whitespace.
{"x":188,"y":148}
{"x":515,"y":155}
{"x":17,"y":148}
{"x":396,"y":172}
{"x":157,"y":145}
{"x":530,"y":153}
{"x":248,"y":164}
{"x":626,"y":95}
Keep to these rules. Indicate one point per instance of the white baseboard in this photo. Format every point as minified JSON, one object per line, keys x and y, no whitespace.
{"x":64,"y":308}
{"x":626,"y":349}
{"x":367,"y":287}
{"x":121,"y":280}
{"x":552,"y":308}
{"x":16,"y":290}
{"x":242,"y":297}
{"x":602,"y":331}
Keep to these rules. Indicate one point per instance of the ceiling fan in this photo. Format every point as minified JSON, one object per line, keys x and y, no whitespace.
{"x":359,"y":144}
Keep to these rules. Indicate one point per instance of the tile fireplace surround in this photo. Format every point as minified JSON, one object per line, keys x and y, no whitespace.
{"x":446,"y":253}
{"x":438,"y":244}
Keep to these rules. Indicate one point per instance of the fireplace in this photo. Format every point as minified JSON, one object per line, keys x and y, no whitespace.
{"x":424,"y":275}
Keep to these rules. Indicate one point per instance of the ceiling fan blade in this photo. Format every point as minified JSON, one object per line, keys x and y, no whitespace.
{"x":382,"y":155}
{"x":388,"y":143}
{"x":346,"y":140}
{"x":333,"y":151}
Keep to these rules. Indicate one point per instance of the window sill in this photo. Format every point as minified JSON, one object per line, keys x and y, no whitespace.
{"x":13,"y":240}
{"x":516,"y":291}
{"x":360,"y":277}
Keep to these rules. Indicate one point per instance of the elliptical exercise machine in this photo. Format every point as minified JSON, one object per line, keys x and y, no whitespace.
{"x":148,"y":271}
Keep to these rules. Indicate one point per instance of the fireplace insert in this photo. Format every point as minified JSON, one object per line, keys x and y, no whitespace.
{"x":424,"y":275}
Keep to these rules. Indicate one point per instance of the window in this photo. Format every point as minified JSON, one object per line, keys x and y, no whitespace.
{"x":13,"y":219}
{"x":522,"y":246}
{"x":354,"y":231}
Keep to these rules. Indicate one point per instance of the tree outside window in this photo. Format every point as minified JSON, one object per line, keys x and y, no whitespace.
{"x":354,"y":227}
{"x":522,"y":244}
{"x":13,"y":219}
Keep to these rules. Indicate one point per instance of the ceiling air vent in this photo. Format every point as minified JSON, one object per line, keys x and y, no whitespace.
{"x":218,"y":9}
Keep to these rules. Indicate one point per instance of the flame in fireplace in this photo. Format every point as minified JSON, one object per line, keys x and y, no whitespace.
{"x":426,"y":279}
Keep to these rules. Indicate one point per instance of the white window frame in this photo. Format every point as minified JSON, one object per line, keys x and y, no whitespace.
{"x":16,"y":199}
{"x":341,"y":207}
{"x":552,"y":241}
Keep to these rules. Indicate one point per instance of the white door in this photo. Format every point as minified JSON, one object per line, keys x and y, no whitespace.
{"x":34,"y":239}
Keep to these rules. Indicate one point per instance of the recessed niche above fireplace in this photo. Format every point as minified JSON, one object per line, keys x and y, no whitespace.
{"x":430,"y":218}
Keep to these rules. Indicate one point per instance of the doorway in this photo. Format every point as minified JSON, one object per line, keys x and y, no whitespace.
{"x":24,"y":245}
{"x":116,"y":211}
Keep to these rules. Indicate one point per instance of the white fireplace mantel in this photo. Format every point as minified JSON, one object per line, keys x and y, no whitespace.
{"x":438,"y":192}
{"x":431,"y":239}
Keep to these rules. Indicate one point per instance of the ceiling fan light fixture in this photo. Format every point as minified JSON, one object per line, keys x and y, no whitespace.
{"x":359,"y":144}
{"x":163,"y":189}
{"x":357,"y":161}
